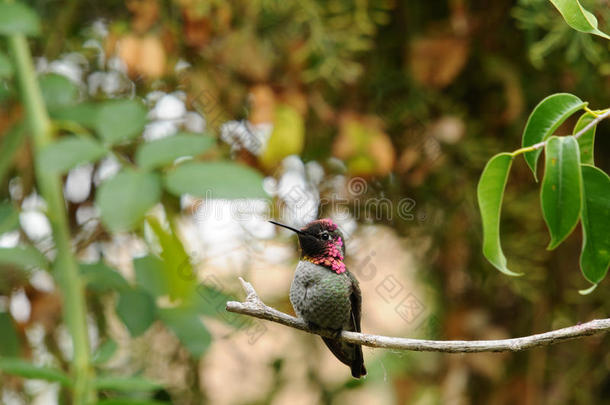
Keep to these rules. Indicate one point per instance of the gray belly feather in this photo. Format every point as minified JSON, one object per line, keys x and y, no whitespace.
{"x":321,"y":296}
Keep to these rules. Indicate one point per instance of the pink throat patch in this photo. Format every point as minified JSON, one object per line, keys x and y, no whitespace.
{"x":332,"y":257}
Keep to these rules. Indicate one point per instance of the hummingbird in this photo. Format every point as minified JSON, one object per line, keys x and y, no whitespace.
{"x":323,"y":292}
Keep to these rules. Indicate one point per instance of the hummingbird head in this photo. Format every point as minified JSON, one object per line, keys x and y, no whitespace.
{"x":321,"y":243}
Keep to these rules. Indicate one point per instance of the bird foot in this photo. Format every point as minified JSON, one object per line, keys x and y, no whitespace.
{"x":313,"y":326}
{"x":336,"y":333}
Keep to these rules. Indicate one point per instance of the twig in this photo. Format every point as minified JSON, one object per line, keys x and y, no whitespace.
{"x":253,"y":306}
{"x":594,"y":122}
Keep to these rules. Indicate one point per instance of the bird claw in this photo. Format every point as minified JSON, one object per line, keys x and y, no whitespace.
{"x":337,"y":333}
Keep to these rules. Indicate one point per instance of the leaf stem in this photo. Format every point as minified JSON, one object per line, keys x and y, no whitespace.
{"x":50,"y":187}
{"x":599,"y":116}
{"x":590,"y":111}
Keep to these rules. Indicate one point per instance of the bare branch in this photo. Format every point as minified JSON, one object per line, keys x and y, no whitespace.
{"x":253,"y":306}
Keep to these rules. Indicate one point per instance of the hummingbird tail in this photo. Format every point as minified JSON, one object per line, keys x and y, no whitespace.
{"x":349,"y":354}
{"x":357,"y":366}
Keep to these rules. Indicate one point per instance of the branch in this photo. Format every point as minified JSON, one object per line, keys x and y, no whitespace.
{"x":577,"y":135}
{"x":253,"y":306}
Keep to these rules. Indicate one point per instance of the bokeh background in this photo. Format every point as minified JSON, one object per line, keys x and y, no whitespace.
{"x":380,"y":114}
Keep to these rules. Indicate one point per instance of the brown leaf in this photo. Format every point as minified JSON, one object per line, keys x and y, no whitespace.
{"x":382,"y":151}
{"x":435,"y":62}
{"x":46,"y":309}
{"x":196,"y":30}
{"x":145,"y":14}
{"x":262,"y":102}
{"x":143,"y":55}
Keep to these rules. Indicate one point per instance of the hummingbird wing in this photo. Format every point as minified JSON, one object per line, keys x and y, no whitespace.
{"x":356,"y":300}
{"x":357,"y":365}
{"x":349,"y":353}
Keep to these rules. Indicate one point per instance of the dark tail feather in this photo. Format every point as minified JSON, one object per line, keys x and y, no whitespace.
{"x":349,"y":354}
{"x":336,"y":347}
{"x":357,"y":366}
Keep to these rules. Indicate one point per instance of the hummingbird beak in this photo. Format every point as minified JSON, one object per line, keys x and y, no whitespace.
{"x":298,"y":232}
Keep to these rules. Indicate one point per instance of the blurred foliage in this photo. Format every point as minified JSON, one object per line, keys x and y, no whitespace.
{"x":550,"y":35}
{"x":413,"y":96}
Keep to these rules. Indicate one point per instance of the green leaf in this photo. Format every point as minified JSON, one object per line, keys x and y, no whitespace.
{"x":100,"y":277}
{"x":150,"y":275}
{"x":124,"y":199}
{"x":68,"y":152}
{"x":586,"y":141}
{"x":215,"y":180}
{"x":177,"y":270}
{"x":189,"y":329}
{"x":57,"y":91}
{"x":137,"y":310}
{"x":548,"y":115}
{"x":9,"y":341}
{"x":119,"y":120}
{"x":125,"y":383}
{"x":595,"y":255}
{"x":83,"y":113}
{"x":587,"y":291}
{"x":9,"y":217}
{"x":104,"y":352}
{"x":561,"y":188}
{"x":25,"y":369}
{"x":6,"y":67}
{"x":577,"y":17}
{"x":490,"y":193}
{"x":25,"y":257}
{"x":17,"y":18}
{"x":166,"y":150}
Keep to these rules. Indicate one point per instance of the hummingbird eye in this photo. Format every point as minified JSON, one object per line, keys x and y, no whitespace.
{"x":325,"y":236}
